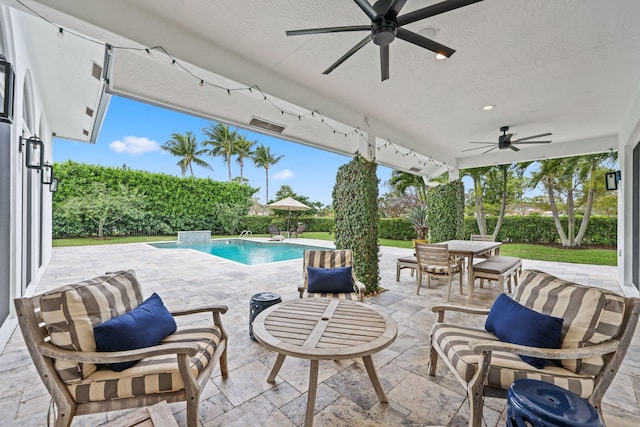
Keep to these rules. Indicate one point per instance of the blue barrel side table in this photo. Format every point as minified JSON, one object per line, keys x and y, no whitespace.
{"x":258,"y":303}
{"x":540,"y":404}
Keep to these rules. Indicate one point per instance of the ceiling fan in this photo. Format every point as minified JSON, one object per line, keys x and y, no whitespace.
{"x":506,"y":140}
{"x":386,"y":25}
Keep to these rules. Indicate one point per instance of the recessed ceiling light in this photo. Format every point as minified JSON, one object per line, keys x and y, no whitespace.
{"x":440,"y":57}
{"x":488,"y":107}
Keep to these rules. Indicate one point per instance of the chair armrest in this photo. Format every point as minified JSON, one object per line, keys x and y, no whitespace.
{"x":50,"y":350}
{"x":359,"y":287}
{"x":441,"y":309}
{"x":209,"y":309}
{"x":610,"y":346}
{"x":301,"y":290}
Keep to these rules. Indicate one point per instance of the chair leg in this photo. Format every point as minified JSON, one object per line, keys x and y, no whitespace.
{"x":433,"y":361}
{"x":449,"y":292}
{"x":65,"y":415}
{"x":192,"y":411}
{"x":224,"y":366}
{"x":397,"y":272}
{"x":419,"y":280}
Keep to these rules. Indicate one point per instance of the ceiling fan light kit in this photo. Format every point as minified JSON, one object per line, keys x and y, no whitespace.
{"x":386,"y":26}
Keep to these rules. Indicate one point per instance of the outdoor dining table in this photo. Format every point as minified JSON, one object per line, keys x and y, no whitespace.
{"x":468,"y":249}
{"x":325,"y":329}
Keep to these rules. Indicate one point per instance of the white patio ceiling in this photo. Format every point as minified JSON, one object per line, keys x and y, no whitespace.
{"x":569,"y":67}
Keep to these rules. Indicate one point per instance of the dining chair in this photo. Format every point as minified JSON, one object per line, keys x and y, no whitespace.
{"x":434,"y":261}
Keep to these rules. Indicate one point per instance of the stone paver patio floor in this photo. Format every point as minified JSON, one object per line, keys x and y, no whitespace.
{"x":345,"y":397}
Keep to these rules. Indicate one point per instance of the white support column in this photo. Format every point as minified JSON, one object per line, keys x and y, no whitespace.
{"x":367,"y":142}
{"x":454,"y":174}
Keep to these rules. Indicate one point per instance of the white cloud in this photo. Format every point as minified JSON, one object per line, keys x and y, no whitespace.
{"x":134,"y":145}
{"x":282,"y":175}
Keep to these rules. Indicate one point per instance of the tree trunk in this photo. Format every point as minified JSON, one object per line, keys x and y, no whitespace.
{"x":480,"y":212}
{"x":503,"y":205}
{"x":587,"y":209}
{"x":101,"y":230}
{"x":554,"y":211}
{"x":266,"y":172}
{"x":571,"y":219}
{"x":229,"y":168}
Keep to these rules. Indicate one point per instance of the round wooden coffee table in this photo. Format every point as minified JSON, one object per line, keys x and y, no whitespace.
{"x":325,"y":329}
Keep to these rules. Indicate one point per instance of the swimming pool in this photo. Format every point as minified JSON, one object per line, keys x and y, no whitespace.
{"x":244,"y":251}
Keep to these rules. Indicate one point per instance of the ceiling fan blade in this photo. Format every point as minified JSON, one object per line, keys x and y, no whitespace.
{"x":530,"y":142}
{"x":514,"y":148}
{"x":531,"y":137}
{"x":384,"y":62}
{"x":477,"y":148}
{"x":329,"y":30}
{"x":346,"y":56}
{"x":433,"y":10}
{"x":424,"y":42}
{"x":368,"y":9}
{"x":478,"y":142}
{"x":490,"y":149}
{"x":394,"y":9}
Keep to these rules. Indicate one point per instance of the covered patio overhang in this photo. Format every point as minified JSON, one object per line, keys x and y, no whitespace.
{"x":568,"y":68}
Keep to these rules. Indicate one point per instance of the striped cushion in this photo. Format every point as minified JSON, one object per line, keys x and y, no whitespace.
{"x":441,"y":269}
{"x":505,"y":368}
{"x":71,"y":311}
{"x":327,"y":259}
{"x":591,"y":315}
{"x":350,"y":295}
{"x":151,"y":375}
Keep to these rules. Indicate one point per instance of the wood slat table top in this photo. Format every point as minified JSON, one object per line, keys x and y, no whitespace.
{"x":464,"y":247}
{"x":324,"y":328}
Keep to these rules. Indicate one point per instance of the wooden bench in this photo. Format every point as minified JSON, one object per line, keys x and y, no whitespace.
{"x":499,"y":268}
{"x":409,"y":262}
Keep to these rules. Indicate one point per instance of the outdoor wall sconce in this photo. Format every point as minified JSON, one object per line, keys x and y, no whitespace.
{"x":612,"y":179}
{"x":53,"y":187}
{"x":35,"y":152}
{"x":47,"y":173}
{"x":6,"y":90}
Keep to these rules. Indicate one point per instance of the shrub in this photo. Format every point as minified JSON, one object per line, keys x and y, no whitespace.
{"x":355,"y":203}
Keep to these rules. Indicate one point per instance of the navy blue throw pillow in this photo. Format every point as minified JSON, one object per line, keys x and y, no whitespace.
{"x":144,"y":326}
{"x":330,"y":280}
{"x":514,"y":323}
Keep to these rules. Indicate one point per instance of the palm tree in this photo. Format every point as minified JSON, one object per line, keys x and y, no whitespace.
{"x":263,"y":158}
{"x":403,"y":181}
{"x":244,"y":150}
{"x":186,"y":147}
{"x":223,"y":142}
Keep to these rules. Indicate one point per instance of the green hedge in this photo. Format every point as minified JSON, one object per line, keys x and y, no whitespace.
{"x":602,"y":230}
{"x":172,"y":203}
{"x":395,"y":229}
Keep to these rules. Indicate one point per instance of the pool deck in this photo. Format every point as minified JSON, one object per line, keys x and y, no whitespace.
{"x":345,"y":398}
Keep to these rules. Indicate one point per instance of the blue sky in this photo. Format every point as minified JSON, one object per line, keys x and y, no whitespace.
{"x":133,"y":132}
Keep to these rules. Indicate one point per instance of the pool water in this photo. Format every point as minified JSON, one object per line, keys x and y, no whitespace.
{"x":244,"y":251}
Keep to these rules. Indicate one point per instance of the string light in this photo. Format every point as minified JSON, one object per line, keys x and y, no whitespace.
{"x":313,"y":114}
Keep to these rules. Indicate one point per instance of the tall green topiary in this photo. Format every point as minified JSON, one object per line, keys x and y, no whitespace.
{"x":446,"y":212}
{"x":355,"y":203}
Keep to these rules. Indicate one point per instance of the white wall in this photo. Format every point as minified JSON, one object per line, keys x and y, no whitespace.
{"x":15,"y":222}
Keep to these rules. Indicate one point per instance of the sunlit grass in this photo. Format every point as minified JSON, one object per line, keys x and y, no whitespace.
{"x":520,"y":250}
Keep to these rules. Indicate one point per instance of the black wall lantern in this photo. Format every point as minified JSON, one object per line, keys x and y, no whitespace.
{"x":47,"y":173}
{"x":53,"y":187}
{"x":6,"y":90}
{"x":35,"y":152}
{"x":612,"y":179}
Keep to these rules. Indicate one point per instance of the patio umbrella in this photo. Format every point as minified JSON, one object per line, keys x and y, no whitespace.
{"x":288,"y":204}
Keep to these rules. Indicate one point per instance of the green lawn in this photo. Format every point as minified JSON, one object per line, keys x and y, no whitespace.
{"x":520,"y":250}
